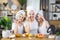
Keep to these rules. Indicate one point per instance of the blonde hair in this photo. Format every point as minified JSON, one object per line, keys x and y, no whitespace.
{"x":21,"y":12}
{"x":41,"y":19}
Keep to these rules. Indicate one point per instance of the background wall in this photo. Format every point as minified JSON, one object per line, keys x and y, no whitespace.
{"x":34,"y":3}
{"x":50,"y":8}
{"x":1,"y":1}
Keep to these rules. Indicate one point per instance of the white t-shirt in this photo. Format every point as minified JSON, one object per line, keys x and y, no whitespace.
{"x":42,"y":29}
{"x":20,"y":28}
{"x":33,"y":26}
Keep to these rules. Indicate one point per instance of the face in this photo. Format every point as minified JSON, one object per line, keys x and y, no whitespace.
{"x":31,"y":14}
{"x":20,"y":18}
{"x":39,"y":19}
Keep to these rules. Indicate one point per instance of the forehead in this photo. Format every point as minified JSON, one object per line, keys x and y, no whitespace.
{"x":39,"y":15}
{"x":31,"y":12}
{"x":20,"y":15}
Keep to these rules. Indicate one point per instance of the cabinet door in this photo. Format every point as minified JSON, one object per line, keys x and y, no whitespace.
{"x":44,"y":5}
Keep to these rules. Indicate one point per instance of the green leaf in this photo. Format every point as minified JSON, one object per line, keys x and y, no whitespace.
{"x":57,"y":33}
{"x":5,"y":22}
{"x":0,"y":22}
{"x":22,"y":2}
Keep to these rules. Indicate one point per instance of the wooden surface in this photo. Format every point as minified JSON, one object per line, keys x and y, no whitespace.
{"x":27,"y":38}
{"x":56,"y":23}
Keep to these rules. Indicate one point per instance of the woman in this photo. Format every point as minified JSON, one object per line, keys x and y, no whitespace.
{"x":31,"y":24}
{"x":43,"y":25}
{"x":17,"y":26}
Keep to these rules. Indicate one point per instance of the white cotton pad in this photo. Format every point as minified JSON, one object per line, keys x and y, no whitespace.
{"x":11,"y":36}
{"x":12,"y":39}
{"x":51,"y":36}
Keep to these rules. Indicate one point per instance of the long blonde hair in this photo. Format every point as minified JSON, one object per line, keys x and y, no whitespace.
{"x":41,"y":20}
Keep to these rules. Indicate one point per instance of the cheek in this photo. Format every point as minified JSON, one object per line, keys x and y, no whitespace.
{"x":38,"y":19}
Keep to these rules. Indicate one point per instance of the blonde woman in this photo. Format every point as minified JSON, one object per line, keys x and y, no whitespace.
{"x":31,"y":24}
{"x":43,"y":25}
{"x":17,"y":26}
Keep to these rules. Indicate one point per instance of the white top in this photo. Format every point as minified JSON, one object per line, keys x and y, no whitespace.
{"x":20,"y":28}
{"x":33,"y":26}
{"x":42,"y":29}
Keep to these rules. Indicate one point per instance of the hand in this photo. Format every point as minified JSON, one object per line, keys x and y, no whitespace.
{"x":43,"y":18}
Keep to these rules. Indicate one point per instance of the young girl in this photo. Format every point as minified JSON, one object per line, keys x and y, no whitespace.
{"x":31,"y":24}
{"x":17,"y":26}
{"x":43,"y":25}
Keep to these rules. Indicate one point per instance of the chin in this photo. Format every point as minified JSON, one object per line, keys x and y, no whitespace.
{"x":20,"y":21}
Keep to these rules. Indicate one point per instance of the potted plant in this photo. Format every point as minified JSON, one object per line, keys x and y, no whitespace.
{"x":6,"y":23}
{"x":57,"y":35}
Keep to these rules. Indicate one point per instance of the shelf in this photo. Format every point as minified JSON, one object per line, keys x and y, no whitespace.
{"x":54,"y":12}
{"x":56,"y":23}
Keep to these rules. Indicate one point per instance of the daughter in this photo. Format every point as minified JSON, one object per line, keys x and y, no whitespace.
{"x":17,"y":26}
{"x":43,"y":25}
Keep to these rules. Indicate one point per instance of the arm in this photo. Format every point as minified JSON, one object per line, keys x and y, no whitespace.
{"x":27,"y":28}
{"x":16,"y":30}
{"x":47,"y":24}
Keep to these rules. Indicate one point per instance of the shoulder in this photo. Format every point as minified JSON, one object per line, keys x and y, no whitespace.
{"x":35,"y":21}
{"x":46,"y":21}
{"x":13,"y":24}
{"x":26,"y":23}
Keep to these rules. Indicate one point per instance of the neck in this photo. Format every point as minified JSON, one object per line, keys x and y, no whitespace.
{"x":40,"y":23}
{"x":31,"y":20}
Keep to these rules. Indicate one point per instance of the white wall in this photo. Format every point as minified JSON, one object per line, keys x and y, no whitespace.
{"x":1,"y":1}
{"x":34,"y":3}
{"x":50,"y":8}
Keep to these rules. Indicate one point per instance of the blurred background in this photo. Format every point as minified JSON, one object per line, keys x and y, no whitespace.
{"x":51,"y":9}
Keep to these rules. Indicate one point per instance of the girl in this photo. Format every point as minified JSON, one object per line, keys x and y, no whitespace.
{"x":17,"y":26}
{"x":43,"y":25}
{"x":31,"y":24}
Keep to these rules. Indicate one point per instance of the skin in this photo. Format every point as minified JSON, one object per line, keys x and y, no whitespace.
{"x":31,"y":16}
